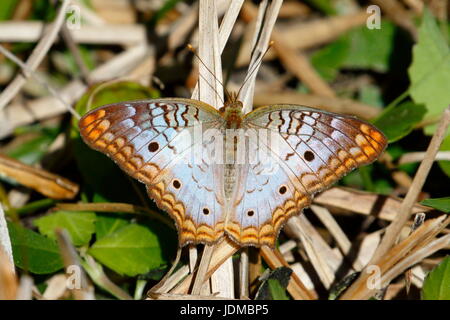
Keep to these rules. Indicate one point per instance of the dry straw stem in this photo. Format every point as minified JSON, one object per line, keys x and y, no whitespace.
{"x":19,"y":114}
{"x":25,"y":291}
{"x":179,"y":31}
{"x":70,"y":259}
{"x":420,"y":156}
{"x":338,"y":234}
{"x":173,"y":280}
{"x":324,"y":259}
{"x":295,"y":287}
{"x":46,"y":183}
{"x":244,"y":274}
{"x":294,"y":61}
{"x":297,"y":63}
{"x":224,"y":33}
{"x":73,"y":47}
{"x":305,"y":35}
{"x":416,"y":5}
{"x":210,"y":90}
{"x":89,"y":16}
{"x":5,"y":244}
{"x":365,"y":203}
{"x":225,"y":249}
{"x":38,"y":54}
{"x":109,"y":34}
{"x":29,"y":72}
{"x":332,"y":104}
{"x":115,"y":207}
{"x":202,"y":269}
{"x":265,"y":22}
{"x":169,"y":296}
{"x":292,"y":9}
{"x":393,"y":230}
{"x":8,"y":280}
{"x":418,"y":245}
{"x":56,"y":288}
{"x":95,"y":272}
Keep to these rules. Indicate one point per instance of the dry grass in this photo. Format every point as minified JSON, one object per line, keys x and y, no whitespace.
{"x":316,"y":247}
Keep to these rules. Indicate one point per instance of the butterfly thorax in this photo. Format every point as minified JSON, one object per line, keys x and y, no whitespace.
{"x":232,"y":112}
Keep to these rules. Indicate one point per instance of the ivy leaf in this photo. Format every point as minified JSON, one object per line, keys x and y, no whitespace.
{"x":34,"y":252}
{"x":437,"y":283}
{"x":131,"y":250}
{"x":428,"y":72}
{"x":79,"y":225}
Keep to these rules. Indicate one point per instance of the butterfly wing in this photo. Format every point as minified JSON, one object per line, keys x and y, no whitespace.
{"x":154,"y":141}
{"x":309,"y":150}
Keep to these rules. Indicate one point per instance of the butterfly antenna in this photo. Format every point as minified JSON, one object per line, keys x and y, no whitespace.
{"x":227,"y":94}
{"x":255,"y":66}
{"x":211,"y":86}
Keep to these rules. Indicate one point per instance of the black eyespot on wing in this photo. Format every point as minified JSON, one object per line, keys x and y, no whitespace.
{"x":205,"y":211}
{"x":153,"y":146}
{"x":282,"y":190}
{"x":176,"y":184}
{"x":250,"y":213}
{"x":309,"y":156}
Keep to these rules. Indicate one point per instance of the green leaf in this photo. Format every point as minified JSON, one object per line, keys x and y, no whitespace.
{"x":165,"y":8}
{"x":65,"y":61}
{"x":276,"y":290}
{"x":360,"y":48}
{"x":445,"y":146}
{"x":329,"y":59}
{"x":130,"y":251}
{"x":437,"y":283}
{"x":371,"y":48}
{"x":398,"y":122}
{"x":326,"y":6}
{"x":429,"y":72}
{"x":371,"y":95}
{"x":442,"y":204}
{"x":7,"y":8}
{"x":79,"y":225}
{"x":33,"y":150}
{"x":108,"y":223}
{"x":34,"y":252}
